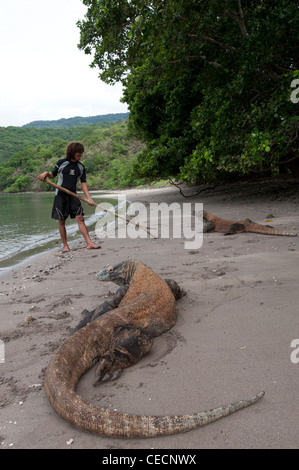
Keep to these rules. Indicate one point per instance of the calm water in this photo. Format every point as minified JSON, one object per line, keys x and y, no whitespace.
{"x":26,"y":227}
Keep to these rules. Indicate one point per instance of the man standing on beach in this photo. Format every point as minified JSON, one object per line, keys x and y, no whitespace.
{"x":69,"y":170}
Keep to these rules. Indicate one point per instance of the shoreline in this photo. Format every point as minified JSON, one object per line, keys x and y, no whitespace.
{"x":231,"y":340}
{"x":16,"y":258}
{"x":40,"y":251}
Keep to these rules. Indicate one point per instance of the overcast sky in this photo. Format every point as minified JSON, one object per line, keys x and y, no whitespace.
{"x":44,"y":75}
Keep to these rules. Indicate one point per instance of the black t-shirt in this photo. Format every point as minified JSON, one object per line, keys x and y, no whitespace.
{"x":68,"y":174}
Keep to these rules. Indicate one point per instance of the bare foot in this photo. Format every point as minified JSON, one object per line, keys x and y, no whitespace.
{"x":66,"y":249}
{"x":93,"y":246}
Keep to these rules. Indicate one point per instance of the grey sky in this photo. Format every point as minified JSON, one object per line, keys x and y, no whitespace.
{"x":44,"y":75}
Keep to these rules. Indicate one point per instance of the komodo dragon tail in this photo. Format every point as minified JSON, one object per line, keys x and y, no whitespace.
{"x":105,"y":422}
{"x":60,"y":382}
{"x":266,"y":230}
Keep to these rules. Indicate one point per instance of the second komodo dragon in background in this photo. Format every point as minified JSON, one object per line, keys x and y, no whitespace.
{"x":215,"y":224}
{"x":118,"y":339}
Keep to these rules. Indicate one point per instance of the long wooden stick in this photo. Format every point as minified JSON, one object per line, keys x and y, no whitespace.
{"x":96,"y":205}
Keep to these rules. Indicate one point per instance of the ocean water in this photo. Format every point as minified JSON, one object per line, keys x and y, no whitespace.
{"x":26,"y":226}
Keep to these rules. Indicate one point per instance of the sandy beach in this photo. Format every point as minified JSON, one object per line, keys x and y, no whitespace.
{"x":232,"y":338}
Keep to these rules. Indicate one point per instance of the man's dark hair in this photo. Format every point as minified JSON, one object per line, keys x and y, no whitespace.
{"x":72,"y":149}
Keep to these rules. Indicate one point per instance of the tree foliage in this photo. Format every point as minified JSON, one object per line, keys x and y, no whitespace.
{"x":208,"y":83}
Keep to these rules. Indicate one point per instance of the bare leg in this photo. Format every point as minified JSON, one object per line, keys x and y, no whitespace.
{"x":84,"y":232}
{"x":62,"y":232}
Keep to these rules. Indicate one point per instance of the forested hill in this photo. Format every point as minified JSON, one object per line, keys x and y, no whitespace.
{"x":14,"y":139}
{"x":110,"y":153}
{"x":78,"y":121}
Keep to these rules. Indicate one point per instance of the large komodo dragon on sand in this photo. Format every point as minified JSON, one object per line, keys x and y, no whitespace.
{"x":215,"y":224}
{"x":118,"y":338}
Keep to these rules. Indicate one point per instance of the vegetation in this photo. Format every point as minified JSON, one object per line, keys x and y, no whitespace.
{"x":212,"y":89}
{"x":208,"y":83}
{"x":109,"y":156}
{"x":78,"y":121}
{"x":14,"y":139}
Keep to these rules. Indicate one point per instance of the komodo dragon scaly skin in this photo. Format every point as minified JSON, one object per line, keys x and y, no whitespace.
{"x":119,"y":338}
{"x":215,"y":224}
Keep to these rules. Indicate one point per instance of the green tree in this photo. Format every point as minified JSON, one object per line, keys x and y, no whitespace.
{"x":22,"y":183}
{"x":208,"y":83}
{"x":6,"y":176}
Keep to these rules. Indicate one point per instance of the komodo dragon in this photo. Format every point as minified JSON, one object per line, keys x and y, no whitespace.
{"x":119,"y":338}
{"x":215,"y":224}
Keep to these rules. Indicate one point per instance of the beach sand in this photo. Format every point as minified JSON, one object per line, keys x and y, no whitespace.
{"x":232,"y":338}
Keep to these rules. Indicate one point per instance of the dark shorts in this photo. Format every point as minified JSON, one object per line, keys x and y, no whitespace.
{"x":65,"y":205}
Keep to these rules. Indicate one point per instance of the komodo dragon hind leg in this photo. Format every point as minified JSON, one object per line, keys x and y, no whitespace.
{"x":234,"y":228}
{"x":129,"y":343}
{"x":209,"y":227}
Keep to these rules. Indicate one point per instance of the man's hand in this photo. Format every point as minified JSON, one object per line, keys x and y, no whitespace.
{"x":91,"y":202}
{"x":45,"y":175}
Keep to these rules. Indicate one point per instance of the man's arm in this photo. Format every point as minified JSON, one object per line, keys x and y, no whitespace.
{"x":87,"y":195}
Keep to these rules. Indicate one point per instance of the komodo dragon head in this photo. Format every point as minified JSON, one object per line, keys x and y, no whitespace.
{"x":122,"y":273}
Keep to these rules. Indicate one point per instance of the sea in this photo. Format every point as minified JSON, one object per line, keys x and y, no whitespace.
{"x":27,"y":229}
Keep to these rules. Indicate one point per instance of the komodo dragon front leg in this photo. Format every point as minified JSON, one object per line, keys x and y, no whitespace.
{"x":103,"y":308}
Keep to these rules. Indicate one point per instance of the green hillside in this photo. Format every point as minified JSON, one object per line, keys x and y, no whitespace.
{"x":110,"y":153}
{"x":15,"y":139}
